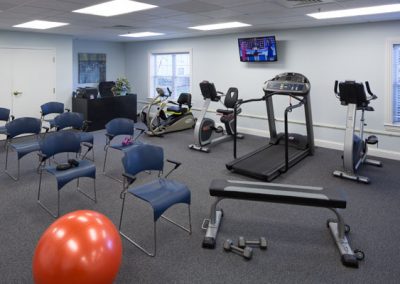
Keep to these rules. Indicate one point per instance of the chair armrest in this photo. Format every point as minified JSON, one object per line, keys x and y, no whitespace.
{"x":12,"y":117}
{"x":86,"y":124}
{"x":46,"y":128}
{"x":176,"y":163}
{"x":42,"y":157}
{"x":109,"y":136}
{"x":129,"y":178}
{"x":67,"y":109}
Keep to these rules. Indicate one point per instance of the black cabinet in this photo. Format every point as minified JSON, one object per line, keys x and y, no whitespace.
{"x":102,"y":110}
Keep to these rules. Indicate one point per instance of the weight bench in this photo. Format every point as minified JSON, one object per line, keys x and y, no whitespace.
{"x":287,"y":194}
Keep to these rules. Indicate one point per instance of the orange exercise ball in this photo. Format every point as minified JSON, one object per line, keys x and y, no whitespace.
{"x":80,"y":247}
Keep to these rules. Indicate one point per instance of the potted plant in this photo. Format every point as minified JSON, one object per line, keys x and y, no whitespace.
{"x":121,"y":87}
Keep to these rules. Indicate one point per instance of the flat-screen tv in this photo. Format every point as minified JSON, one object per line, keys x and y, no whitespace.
{"x":258,"y":49}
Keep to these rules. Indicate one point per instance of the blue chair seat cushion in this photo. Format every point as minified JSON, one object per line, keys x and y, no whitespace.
{"x":86,"y":137}
{"x":162,"y":194}
{"x":24,"y":148}
{"x":84,"y":169}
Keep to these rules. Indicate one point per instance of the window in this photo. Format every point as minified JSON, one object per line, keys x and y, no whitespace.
{"x":395,"y":83}
{"x":171,"y":70}
{"x":92,"y":68}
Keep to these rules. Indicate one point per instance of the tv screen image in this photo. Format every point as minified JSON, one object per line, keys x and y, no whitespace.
{"x":258,"y":49}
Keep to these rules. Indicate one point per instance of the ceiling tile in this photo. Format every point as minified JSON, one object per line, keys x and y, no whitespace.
{"x":194,"y":7}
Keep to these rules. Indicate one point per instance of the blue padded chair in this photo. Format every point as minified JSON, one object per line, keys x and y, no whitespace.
{"x":161,"y":193}
{"x":51,"y":108}
{"x":4,"y":116}
{"x":64,"y":142}
{"x":75,"y":121}
{"x":117,"y":127}
{"x":17,"y":127}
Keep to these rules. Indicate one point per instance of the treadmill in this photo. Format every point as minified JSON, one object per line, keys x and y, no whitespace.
{"x":283,"y":150}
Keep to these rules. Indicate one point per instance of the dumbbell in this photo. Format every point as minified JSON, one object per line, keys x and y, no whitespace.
{"x":246,"y":252}
{"x":261,"y":242}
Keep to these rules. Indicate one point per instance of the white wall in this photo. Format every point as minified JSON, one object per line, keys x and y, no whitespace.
{"x":63,"y":48}
{"x":115,"y":54}
{"x":324,"y":55}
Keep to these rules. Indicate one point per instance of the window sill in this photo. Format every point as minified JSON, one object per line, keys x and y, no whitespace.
{"x":392,"y":127}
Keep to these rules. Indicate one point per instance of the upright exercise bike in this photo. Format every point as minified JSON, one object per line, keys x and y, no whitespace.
{"x":205,"y":127}
{"x":352,"y":95}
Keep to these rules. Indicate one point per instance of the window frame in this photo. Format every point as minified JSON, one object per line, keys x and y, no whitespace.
{"x":168,"y":51}
{"x":389,"y":124}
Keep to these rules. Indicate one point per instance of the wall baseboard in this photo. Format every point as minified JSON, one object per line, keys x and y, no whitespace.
{"x":330,"y":145}
{"x":381,"y":153}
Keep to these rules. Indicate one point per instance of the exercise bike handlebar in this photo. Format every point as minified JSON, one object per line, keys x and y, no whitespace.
{"x":372,"y":95}
{"x":336,"y":88}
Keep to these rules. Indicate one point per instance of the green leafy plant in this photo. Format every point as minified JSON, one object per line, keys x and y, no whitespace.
{"x":121,"y":85}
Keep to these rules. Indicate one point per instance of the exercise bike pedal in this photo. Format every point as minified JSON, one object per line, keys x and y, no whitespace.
{"x":218,"y":129}
{"x":372,"y":140}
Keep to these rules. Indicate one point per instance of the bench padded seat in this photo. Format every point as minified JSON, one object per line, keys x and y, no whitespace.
{"x":278,"y":193}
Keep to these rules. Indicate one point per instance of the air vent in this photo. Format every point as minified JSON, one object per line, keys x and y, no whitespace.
{"x":303,"y":3}
{"x":120,"y":27}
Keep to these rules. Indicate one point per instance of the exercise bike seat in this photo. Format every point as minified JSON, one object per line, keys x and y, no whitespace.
{"x":177,"y":109}
{"x":225,"y":111}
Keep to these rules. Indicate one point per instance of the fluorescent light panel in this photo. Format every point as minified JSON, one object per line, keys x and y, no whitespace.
{"x":357,"y":12}
{"x":116,"y":7}
{"x":143,"y":34}
{"x":40,"y":25}
{"x":220,"y":26}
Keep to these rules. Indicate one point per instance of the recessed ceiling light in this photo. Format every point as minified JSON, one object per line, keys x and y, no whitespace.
{"x":40,"y":25}
{"x":220,"y":26}
{"x":143,"y":34}
{"x":356,"y":12}
{"x":116,"y":7}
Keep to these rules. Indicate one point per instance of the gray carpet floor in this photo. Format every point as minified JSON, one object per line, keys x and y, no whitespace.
{"x":301,"y":249}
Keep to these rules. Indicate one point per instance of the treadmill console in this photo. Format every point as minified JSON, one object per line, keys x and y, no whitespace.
{"x":288,"y":84}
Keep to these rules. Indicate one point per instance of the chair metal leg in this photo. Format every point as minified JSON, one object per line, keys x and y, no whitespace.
{"x":94,"y":199}
{"x":16,"y":178}
{"x":105,"y":159}
{"x":45,"y":207}
{"x":152,"y":254}
{"x":104,"y":168}
{"x":189,"y":230}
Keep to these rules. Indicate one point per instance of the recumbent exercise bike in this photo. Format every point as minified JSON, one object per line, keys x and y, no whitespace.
{"x":176,"y":118}
{"x":205,"y":127}
{"x":352,"y":95}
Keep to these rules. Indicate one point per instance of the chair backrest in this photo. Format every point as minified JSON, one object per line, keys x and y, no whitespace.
{"x":120,"y":126}
{"x":52,"y":107}
{"x":69,"y":119}
{"x":105,"y":88}
{"x":4,"y":114}
{"x":143,"y":157}
{"x":23,"y":125}
{"x":60,"y":142}
{"x":185,"y":99}
{"x":231,"y":97}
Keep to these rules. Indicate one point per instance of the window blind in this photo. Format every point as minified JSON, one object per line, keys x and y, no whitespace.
{"x":396,"y":83}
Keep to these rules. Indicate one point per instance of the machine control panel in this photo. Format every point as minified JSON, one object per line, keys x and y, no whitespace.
{"x":284,"y":87}
{"x":288,"y":84}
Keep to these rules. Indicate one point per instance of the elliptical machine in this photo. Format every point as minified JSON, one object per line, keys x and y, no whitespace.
{"x":205,"y":127}
{"x":176,"y":117}
{"x":352,"y":95}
